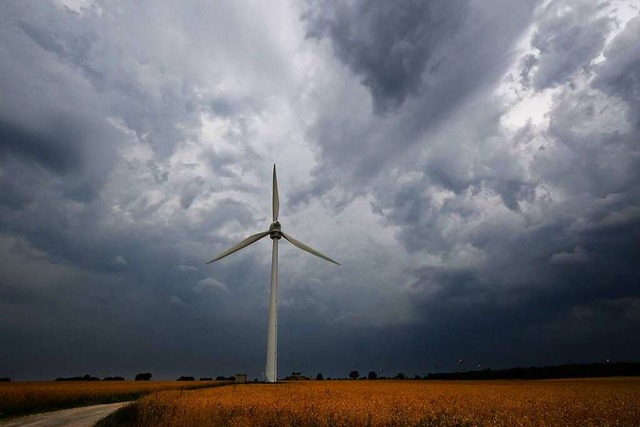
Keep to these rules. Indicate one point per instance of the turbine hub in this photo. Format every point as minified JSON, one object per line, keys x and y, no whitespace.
{"x":274,"y":230}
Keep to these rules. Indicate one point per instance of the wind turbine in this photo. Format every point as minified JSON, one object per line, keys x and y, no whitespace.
{"x":275,"y":232}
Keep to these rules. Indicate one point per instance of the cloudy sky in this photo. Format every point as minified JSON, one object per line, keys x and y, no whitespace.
{"x":473,"y":165}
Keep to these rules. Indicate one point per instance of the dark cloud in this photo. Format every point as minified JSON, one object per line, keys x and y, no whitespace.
{"x":503,"y":268}
{"x":133,"y":145}
{"x":190,"y":191}
{"x":57,"y":150}
{"x":528,"y":283}
{"x":473,"y":44}
{"x":569,"y":35}
{"x":159,"y":175}
{"x":619,"y":75}
{"x":87,"y":129}
{"x":390,"y":45}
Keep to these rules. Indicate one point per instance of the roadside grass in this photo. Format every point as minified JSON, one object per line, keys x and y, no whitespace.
{"x":26,"y":398}
{"x":123,"y":417}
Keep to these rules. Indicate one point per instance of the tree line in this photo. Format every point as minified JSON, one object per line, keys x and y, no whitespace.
{"x":589,"y":370}
{"x":142,"y":376}
{"x":608,"y":369}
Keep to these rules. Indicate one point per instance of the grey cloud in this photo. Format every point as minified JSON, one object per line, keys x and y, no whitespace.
{"x":73,"y":48}
{"x":510,"y":291}
{"x":159,"y":175}
{"x":41,"y":129}
{"x":361,"y":146}
{"x":568,"y":37}
{"x":230,"y":210}
{"x":620,"y":73}
{"x":323,"y":186}
{"x":515,"y":270}
{"x":390,"y":45}
{"x":89,"y":46}
{"x":102,"y":225}
{"x":527,"y":64}
{"x":578,"y":255}
{"x":55,"y":151}
{"x":186,"y":268}
{"x":120,"y":296}
{"x":597,"y":128}
{"x":190,"y":191}
{"x":503,"y":254}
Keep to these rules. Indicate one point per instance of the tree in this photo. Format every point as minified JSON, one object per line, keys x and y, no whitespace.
{"x":354,"y":375}
{"x":146,"y":376}
{"x":296,"y":376}
{"x":372,"y":375}
{"x":400,"y":376}
{"x":319,"y":377}
{"x":86,"y":377}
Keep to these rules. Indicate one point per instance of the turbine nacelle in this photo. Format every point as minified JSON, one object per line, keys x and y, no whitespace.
{"x":275,"y":230}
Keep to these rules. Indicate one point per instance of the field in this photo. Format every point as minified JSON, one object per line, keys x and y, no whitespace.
{"x":19,"y":398}
{"x":578,"y":402}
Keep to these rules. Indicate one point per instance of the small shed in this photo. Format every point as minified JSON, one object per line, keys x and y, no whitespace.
{"x":241,"y":378}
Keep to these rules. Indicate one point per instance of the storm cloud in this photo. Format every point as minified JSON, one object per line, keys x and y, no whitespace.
{"x":474,"y":167}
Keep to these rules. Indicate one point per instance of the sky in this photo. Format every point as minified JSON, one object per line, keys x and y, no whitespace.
{"x":474,"y":166}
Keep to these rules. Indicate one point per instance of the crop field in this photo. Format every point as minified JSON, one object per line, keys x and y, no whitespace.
{"x":577,"y":402}
{"x":19,"y":398}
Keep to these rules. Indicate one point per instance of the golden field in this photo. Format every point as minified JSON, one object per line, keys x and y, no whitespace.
{"x":575,"y":402}
{"x":17,"y":398}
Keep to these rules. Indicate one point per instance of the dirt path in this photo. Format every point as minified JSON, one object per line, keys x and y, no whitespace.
{"x":76,"y":417}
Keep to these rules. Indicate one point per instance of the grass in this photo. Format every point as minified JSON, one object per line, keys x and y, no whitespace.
{"x":23,"y":398}
{"x":577,"y":402}
{"x":125,"y":416}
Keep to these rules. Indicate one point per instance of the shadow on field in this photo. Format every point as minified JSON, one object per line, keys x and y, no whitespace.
{"x":127,"y":416}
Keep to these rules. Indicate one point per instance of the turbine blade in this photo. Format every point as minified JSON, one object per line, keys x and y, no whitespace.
{"x":306,"y":248}
{"x":276,"y":199}
{"x":246,"y":242}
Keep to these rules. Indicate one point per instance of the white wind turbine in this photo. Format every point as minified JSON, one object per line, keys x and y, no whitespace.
{"x":275,"y":233}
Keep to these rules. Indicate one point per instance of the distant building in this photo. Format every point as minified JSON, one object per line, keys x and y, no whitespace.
{"x":241,"y":378}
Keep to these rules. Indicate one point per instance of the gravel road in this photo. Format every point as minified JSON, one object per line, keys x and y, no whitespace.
{"x":85,"y":416}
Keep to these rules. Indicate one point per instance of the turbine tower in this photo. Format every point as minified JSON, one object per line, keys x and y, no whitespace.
{"x":275,"y":232}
